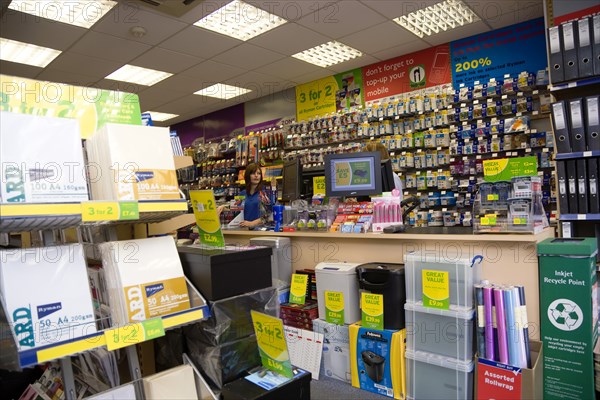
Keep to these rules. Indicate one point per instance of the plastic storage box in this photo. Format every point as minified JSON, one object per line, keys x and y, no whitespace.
{"x":443,"y":332}
{"x":339,"y":277}
{"x":429,"y":376}
{"x":462,"y":274}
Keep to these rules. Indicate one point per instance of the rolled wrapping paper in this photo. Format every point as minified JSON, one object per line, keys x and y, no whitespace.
{"x":511,"y":327}
{"x":525,"y":325}
{"x":522,"y":359}
{"x":490,"y":351}
{"x":480,"y":320}
{"x":501,"y":324}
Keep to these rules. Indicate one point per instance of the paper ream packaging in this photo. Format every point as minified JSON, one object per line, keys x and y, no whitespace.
{"x":46,"y":294}
{"x":145,"y":278}
{"x":41,"y":160}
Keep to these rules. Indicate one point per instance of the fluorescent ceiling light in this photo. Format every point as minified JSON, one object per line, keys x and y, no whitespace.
{"x":26,"y":53}
{"x":328,"y":54}
{"x":240,"y":20}
{"x":159,"y":116}
{"x":437,"y":18}
{"x":83,"y":13}
{"x":139,"y":75}
{"x":222,"y":91}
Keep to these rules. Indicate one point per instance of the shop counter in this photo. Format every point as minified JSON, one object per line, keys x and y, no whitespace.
{"x":508,"y":258}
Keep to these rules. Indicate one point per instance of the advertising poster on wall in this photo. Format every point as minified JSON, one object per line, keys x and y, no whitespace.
{"x":330,"y":94}
{"x":510,"y":50}
{"x":420,"y":70}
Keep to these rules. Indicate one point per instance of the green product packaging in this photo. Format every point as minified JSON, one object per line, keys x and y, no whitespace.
{"x":568,"y":316}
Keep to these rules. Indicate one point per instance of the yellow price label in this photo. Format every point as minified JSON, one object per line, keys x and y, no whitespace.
{"x":319,"y":185}
{"x":519,"y":221}
{"x":298,"y":288}
{"x":134,"y":333}
{"x":95,"y":211}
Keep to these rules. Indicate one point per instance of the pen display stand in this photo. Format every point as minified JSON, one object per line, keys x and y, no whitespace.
{"x":510,"y":206}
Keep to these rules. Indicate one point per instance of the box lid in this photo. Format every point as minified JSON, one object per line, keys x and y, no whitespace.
{"x":460,"y":314}
{"x":276,"y":242}
{"x":227,"y":252}
{"x":568,"y":247}
{"x":342,"y":268}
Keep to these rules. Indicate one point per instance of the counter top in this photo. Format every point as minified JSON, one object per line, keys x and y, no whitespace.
{"x":506,"y":237}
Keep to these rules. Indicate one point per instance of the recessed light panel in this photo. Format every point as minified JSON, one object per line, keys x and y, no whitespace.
{"x":327,"y":54}
{"x":159,"y":116}
{"x":437,"y":18}
{"x":139,"y":75}
{"x":240,"y":20}
{"x":82,"y":13}
{"x":26,"y":53}
{"x":222,"y":91}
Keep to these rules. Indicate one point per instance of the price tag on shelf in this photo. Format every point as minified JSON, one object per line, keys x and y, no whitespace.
{"x":581,"y":217}
{"x":519,"y":221}
{"x":134,"y":333}
{"x":95,"y":211}
{"x":587,"y":153}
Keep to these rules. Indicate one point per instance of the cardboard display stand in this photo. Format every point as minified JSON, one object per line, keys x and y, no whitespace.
{"x":499,"y":381}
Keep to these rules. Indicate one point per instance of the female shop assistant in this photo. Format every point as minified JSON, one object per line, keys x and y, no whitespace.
{"x":377,"y":146}
{"x":256,"y":199}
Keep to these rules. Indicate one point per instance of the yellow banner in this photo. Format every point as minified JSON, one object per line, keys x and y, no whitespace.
{"x":271,"y":343}
{"x":92,"y":107}
{"x":316,"y":98}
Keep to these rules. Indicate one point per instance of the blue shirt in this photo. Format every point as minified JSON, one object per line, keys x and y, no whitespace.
{"x":251,"y":206}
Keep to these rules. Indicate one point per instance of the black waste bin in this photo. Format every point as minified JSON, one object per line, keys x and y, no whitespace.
{"x":389,"y":280}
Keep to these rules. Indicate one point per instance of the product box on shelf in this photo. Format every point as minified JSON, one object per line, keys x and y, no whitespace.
{"x":377,"y":360}
{"x":297,"y":388}
{"x":42,"y":160}
{"x":569,"y":315}
{"x":499,"y":381}
{"x":336,"y":350}
{"x":433,"y":280}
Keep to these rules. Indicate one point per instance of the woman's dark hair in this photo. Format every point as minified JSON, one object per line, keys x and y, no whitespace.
{"x":250,"y":169}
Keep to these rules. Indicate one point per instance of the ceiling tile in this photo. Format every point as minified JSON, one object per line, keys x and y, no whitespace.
{"x":288,"y":68}
{"x":352,"y":64}
{"x":76,"y":63}
{"x":39,"y":31}
{"x":259,"y":84}
{"x":152,"y":98}
{"x":342,"y":18}
{"x":110,"y":47}
{"x":71,"y":78}
{"x":293,"y":10}
{"x":190,"y":104}
{"x":179,"y":83}
{"x":127,"y":15}
{"x":211,"y":71}
{"x":202,"y":10}
{"x":248,"y":56}
{"x":515,"y":17}
{"x":166,"y":60}
{"x":289,"y":39}
{"x":458,"y":33}
{"x":377,"y":38}
{"x":312,"y":76}
{"x":16,"y":69}
{"x":126,"y":87}
{"x":406,"y":48}
{"x":394,"y":8}
{"x":199,"y":42}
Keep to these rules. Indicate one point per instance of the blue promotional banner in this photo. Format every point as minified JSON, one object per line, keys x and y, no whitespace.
{"x":510,"y":50}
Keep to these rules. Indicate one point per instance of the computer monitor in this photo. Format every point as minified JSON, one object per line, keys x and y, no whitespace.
{"x":353,"y":174}
{"x":387,"y":176}
{"x":292,"y":180}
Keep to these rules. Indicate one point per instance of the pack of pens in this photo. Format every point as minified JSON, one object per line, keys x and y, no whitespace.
{"x":509,"y":365}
